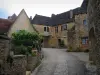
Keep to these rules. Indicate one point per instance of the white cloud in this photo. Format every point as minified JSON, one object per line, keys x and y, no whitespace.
{"x":42,"y":7}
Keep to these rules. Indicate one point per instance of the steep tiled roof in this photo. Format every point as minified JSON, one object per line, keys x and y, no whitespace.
{"x":4,"y":25}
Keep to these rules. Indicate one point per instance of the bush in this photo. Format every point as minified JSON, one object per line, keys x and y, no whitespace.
{"x":34,"y":54}
{"x":70,"y":49}
{"x":78,"y":49}
{"x":24,"y":41}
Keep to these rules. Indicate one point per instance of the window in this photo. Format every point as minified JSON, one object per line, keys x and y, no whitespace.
{"x":56,"y":29}
{"x":63,"y":27}
{"x":84,"y":22}
{"x":84,"y":40}
{"x":47,"y":29}
{"x":44,"y":28}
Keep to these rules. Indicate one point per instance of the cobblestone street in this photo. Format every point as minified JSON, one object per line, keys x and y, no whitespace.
{"x":59,"y":62}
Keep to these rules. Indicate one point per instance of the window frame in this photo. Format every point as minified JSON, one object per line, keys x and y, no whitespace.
{"x":85,"y":22}
{"x":45,"y":29}
{"x":56,"y":29}
{"x":63,"y":27}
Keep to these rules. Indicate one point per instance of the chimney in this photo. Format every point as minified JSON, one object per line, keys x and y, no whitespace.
{"x":30,"y":17}
{"x":52,"y":15}
{"x":71,"y":13}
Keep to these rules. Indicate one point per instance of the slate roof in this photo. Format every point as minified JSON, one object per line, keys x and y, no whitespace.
{"x":85,"y":4}
{"x":52,"y":21}
{"x":41,"y":20}
{"x":61,"y":18}
{"x":4,"y":25}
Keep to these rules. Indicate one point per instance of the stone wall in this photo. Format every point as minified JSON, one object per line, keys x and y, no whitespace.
{"x":4,"y":53}
{"x":19,"y":65}
{"x":10,"y":65}
{"x":31,"y":62}
{"x":71,"y":39}
{"x":94,"y":24}
{"x":81,"y":30}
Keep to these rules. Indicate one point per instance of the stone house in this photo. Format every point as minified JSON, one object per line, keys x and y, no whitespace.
{"x":78,"y":34}
{"x":56,"y":27}
{"x":22,"y":22}
{"x":41,"y":24}
{"x":53,"y":28}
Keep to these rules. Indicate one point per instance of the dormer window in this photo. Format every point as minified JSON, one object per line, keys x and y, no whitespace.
{"x":56,"y":29}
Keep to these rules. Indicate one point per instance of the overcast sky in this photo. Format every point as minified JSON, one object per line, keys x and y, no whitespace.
{"x":41,"y":7}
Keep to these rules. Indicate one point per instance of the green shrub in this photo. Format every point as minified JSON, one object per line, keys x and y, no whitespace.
{"x":24,"y":41}
{"x":78,"y":49}
{"x":34,"y":54}
{"x":70,"y":49}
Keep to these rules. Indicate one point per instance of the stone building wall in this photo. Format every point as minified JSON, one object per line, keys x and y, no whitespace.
{"x":94,"y":31}
{"x":4,"y":53}
{"x":81,"y":30}
{"x":71,"y":39}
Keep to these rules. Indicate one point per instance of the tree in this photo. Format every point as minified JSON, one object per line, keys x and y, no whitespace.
{"x":26,"y":41}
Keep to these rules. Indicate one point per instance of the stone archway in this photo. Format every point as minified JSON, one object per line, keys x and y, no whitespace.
{"x":92,"y":42}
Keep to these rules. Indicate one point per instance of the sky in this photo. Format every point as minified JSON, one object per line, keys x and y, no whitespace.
{"x":40,"y":7}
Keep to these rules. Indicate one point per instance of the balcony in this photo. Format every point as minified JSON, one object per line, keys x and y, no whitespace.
{"x":46,"y":34}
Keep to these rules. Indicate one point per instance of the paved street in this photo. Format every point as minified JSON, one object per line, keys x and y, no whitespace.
{"x":59,"y":62}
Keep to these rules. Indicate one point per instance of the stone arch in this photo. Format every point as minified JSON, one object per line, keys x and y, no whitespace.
{"x":92,"y":42}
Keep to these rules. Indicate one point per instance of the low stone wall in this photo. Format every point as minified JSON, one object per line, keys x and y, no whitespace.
{"x":19,"y":65}
{"x":31,"y":62}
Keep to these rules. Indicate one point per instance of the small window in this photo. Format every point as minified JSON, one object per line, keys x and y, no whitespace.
{"x":85,"y":41}
{"x":47,"y":29}
{"x":44,"y":28}
{"x":63,"y":27}
{"x":84,"y":22}
{"x":56,"y":29}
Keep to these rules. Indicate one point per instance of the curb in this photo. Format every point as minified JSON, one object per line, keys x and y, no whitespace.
{"x":36,"y":70}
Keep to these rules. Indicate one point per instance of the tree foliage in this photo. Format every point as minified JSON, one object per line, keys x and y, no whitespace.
{"x":24,"y":39}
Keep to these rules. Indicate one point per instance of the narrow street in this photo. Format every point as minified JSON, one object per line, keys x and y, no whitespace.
{"x":59,"y":62}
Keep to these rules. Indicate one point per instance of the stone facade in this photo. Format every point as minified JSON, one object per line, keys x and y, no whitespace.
{"x":81,"y":30}
{"x":78,"y":33}
{"x":94,"y":31}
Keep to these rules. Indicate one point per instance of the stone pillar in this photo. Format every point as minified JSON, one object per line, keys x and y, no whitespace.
{"x":94,"y":21}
